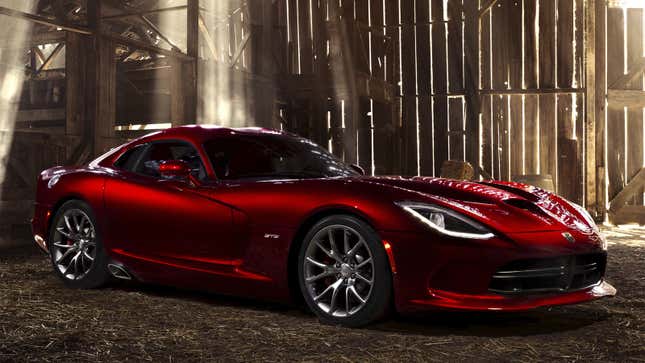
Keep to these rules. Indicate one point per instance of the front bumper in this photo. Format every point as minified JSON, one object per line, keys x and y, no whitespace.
{"x":448,"y":300}
{"x":433,"y":271}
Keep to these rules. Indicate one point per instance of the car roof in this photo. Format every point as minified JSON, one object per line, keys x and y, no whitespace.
{"x":200,"y":132}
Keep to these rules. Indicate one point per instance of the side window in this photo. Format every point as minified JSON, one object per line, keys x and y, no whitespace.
{"x":238,"y":158}
{"x":161,"y":151}
{"x":128,"y":161}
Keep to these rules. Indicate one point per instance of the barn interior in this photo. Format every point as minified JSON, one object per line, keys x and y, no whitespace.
{"x":549,"y":92}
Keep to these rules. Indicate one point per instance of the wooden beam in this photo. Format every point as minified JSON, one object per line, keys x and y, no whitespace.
{"x":619,"y":99}
{"x":628,"y":191}
{"x":45,"y":21}
{"x":486,"y":7}
{"x":240,"y":49}
{"x":41,"y":115}
{"x":146,"y":46}
{"x":630,"y":4}
{"x":636,"y":70}
{"x":34,"y":39}
{"x":51,"y":58}
{"x":155,"y":29}
{"x":145,"y":12}
{"x":629,"y":214}
{"x":207,"y":37}
{"x":534,"y":91}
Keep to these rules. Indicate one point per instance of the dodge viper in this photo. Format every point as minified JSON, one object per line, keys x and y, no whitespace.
{"x":269,"y":215}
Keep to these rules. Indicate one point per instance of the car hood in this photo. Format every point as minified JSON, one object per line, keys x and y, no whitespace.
{"x":504,"y":206}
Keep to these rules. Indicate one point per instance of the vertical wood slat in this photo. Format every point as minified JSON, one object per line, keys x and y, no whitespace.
{"x":393,"y":76}
{"x":500,"y":79}
{"x":439,"y":85}
{"x":516,"y":122}
{"x":455,"y":46}
{"x":568,"y":183}
{"x":455,"y":80}
{"x":531,"y":114}
{"x":615,"y":118}
{"x":634,"y":138}
{"x":547,"y":79}
{"x":424,"y":79}
{"x":362,"y":60}
{"x":378,"y":39}
{"x":409,"y":120}
{"x":485,"y":83}
{"x":292,"y":46}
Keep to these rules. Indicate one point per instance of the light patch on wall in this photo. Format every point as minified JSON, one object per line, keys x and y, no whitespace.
{"x":12,"y":76}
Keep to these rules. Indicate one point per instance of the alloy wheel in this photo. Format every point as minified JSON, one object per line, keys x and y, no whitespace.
{"x":74,"y":244}
{"x":339,"y":270}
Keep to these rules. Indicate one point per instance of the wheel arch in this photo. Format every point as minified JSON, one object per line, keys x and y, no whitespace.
{"x":59,"y":203}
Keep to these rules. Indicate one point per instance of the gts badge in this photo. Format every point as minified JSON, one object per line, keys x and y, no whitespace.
{"x":271,"y":236}
{"x":569,"y":237}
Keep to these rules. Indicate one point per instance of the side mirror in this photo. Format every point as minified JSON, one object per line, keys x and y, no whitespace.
{"x":358,"y":169}
{"x":174,"y":169}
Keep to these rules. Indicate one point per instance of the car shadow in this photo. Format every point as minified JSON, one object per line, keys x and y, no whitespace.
{"x":439,"y":323}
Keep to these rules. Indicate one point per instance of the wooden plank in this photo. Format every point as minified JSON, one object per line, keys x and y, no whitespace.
{"x":379,"y":40}
{"x":596,"y":121}
{"x":633,"y":187}
{"x":41,"y":115}
{"x":439,"y":86}
{"x":531,"y":112}
{"x":455,"y":47}
{"x":629,"y":214}
{"x":547,"y":79}
{"x":292,"y":19}
{"x":409,"y":120}
{"x":304,"y":37}
{"x":486,"y":101}
{"x":456,"y":130}
{"x":471,"y":84}
{"x":634,"y":139}
{"x":44,"y":21}
{"x":501,"y":110}
{"x":616,"y":101}
{"x":619,"y":99}
{"x":424,"y":79}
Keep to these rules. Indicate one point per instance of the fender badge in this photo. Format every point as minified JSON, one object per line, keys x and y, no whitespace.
{"x":271,"y":236}
{"x":569,"y":237}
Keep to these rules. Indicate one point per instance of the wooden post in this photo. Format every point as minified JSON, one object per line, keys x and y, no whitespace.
{"x":189,"y":68}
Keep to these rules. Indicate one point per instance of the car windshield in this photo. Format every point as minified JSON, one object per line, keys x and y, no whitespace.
{"x":272,"y":156}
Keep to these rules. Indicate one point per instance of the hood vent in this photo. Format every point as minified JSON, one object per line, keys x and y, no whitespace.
{"x":517,"y":191}
{"x":524,"y":204}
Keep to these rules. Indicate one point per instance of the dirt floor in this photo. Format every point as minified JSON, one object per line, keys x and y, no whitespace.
{"x":42,"y":320}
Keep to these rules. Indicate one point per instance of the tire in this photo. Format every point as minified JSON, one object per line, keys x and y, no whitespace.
{"x":77,"y":254}
{"x":334,"y":279}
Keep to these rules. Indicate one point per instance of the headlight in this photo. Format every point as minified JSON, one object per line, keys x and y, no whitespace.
{"x":583,"y":212}
{"x":446,"y":221}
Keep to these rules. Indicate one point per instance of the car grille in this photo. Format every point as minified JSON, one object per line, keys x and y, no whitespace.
{"x":566,"y":273}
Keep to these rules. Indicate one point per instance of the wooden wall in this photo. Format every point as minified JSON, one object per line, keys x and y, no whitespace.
{"x":531,"y":83}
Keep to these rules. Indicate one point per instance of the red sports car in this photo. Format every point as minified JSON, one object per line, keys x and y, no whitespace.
{"x":270,"y":215}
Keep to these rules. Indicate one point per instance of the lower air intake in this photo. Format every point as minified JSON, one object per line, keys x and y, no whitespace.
{"x":560,"y":274}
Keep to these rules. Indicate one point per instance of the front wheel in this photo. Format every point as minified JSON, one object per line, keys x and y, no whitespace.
{"x":75,"y":247}
{"x":344,"y":272}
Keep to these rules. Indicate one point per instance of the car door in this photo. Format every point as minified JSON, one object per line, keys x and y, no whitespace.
{"x":167,"y":221}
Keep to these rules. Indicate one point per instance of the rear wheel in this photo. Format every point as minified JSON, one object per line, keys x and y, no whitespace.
{"x":75,"y":247}
{"x":344,"y":272}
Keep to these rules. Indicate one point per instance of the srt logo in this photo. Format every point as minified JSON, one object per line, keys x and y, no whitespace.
{"x":271,"y":236}
{"x":569,"y":237}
